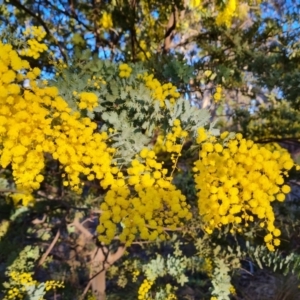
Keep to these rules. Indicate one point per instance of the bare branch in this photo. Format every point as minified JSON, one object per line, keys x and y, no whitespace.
{"x":38,"y":221}
{"x":10,"y":191}
{"x":45,"y":255}
{"x":170,"y":30}
{"x":81,"y":229}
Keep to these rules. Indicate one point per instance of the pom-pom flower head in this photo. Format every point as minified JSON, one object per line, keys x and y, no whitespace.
{"x":237,"y":182}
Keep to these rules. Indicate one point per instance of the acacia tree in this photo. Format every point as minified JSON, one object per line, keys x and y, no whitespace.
{"x":86,"y":139}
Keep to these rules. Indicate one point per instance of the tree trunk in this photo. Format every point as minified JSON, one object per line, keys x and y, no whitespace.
{"x":102,"y":260}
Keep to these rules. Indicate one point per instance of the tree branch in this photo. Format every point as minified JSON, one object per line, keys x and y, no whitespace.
{"x":41,"y":21}
{"x":45,"y":255}
{"x":170,"y":30}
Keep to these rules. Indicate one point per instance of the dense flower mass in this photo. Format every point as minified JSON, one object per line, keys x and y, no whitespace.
{"x":142,"y":216}
{"x":35,"y":46}
{"x":147,"y":204}
{"x":161,"y":92}
{"x":35,"y":121}
{"x":225,"y":16}
{"x":176,"y":138}
{"x":146,"y":211}
{"x":144,"y":289}
{"x":88,"y":101}
{"x":237,"y":181}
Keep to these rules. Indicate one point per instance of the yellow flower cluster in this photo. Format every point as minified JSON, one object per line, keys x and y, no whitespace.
{"x":53,"y":285}
{"x":218,"y":93}
{"x":36,"y":121}
{"x":91,"y":296}
{"x":148,"y":204}
{"x":201,"y":136}
{"x":161,"y":92}
{"x":4,"y":226}
{"x":59,"y":65}
{"x":36,"y":31}
{"x":207,"y":267}
{"x":144,"y":215}
{"x":275,"y":146}
{"x":13,"y":293}
{"x":125,"y":70}
{"x":20,"y":280}
{"x":159,"y":145}
{"x":95,"y":82}
{"x":144,"y":53}
{"x":195,"y":3}
{"x":172,"y":138}
{"x":144,"y":289}
{"x":35,"y":49}
{"x":81,"y":151}
{"x":171,"y":296}
{"x":232,"y":290}
{"x":173,"y":142}
{"x":147,"y":174}
{"x":237,"y":181}
{"x":106,"y":21}
{"x":88,"y":101}
{"x":135,"y":274}
{"x":225,"y":16}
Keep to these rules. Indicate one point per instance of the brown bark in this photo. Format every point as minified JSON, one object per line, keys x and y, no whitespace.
{"x":102,"y":260}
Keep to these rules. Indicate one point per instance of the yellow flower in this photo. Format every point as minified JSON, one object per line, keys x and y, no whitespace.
{"x":176,"y":122}
{"x":285,"y":189}
{"x":106,"y":20}
{"x":88,"y":101}
{"x":268,"y":238}
{"x":125,"y":70}
{"x":194,"y":3}
{"x":276,"y":242}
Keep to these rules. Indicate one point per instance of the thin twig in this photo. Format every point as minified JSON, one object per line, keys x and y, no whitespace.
{"x":81,"y":229}
{"x":38,"y":221}
{"x":45,"y":255}
{"x":10,"y":191}
{"x":85,"y":290}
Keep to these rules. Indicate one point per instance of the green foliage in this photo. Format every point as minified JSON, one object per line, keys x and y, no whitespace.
{"x":275,"y":260}
{"x":4,"y":225}
{"x":177,"y":71}
{"x":273,"y":122}
{"x":3,"y":183}
{"x":25,"y":262}
{"x":170,"y":265}
{"x":221,"y":279}
{"x":126,"y":105}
